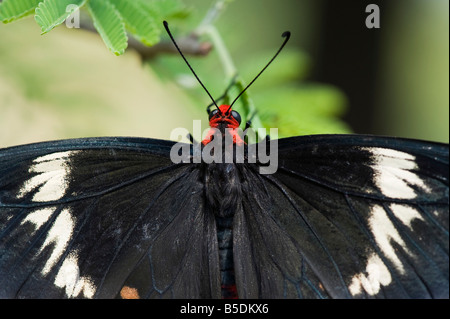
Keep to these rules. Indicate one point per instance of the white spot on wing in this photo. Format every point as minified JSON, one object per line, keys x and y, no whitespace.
{"x":375,"y":276}
{"x":394,"y":173}
{"x":69,"y":278}
{"x":38,"y":217}
{"x":385,"y":233}
{"x":51,"y":181}
{"x":406,"y":214}
{"x":376,"y":273}
{"x":58,"y":236}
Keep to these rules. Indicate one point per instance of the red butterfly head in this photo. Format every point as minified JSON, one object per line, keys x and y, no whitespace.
{"x":224,"y":115}
{"x":221,"y":119}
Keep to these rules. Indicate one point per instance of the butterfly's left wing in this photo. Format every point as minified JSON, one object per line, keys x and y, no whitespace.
{"x":346,"y":216}
{"x":103,"y":217}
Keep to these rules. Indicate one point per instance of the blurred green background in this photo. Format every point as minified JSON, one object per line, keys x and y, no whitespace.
{"x":335,"y":75}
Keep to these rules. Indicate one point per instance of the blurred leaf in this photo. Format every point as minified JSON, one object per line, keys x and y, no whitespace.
{"x":164,"y":9}
{"x":51,"y":13}
{"x":307,"y":109}
{"x":12,"y":10}
{"x":288,"y":66}
{"x":139,"y":22}
{"x":109,"y":25}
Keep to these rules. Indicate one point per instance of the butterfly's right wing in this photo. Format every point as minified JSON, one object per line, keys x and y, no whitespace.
{"x":346,"y":216}
{"x":101,"y":218}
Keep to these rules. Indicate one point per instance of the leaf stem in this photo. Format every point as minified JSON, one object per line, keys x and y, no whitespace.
{"x":224,"y":56}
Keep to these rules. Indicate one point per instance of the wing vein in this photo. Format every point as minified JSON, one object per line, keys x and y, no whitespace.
{"x":336,"y":267}
{"x":135,"y":224}
{"x":96,"y":194}
{"x":356,"y":194}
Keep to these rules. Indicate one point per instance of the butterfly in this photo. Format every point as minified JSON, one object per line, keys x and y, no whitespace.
{"x":343,"y":216}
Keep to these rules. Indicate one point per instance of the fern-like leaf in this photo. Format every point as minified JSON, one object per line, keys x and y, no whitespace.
{"x":138,"y":22}
{"x":109,"y":24}
{"x":12,"y":10}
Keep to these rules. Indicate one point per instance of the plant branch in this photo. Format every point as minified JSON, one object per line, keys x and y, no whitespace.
{"x":190,"y":45}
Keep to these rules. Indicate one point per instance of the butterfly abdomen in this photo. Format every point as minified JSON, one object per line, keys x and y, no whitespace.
{"x":223,"y":194}
{"x":226,"y":262}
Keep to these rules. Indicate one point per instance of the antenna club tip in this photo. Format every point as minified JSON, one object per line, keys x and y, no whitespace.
{"x":166,"y":26}
{"x":286,"y":34}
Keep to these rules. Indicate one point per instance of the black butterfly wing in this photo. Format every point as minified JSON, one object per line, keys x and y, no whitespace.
{"x":103,"y":217}
{"x":346,"y":216}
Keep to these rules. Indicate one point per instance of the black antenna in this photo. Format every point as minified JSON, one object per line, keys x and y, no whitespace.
{"x":166,"y":25}
{"x":286,"y":35}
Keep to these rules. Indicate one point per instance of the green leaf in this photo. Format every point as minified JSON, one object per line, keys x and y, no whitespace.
{"x":109,"y":25}
{"x":12,"y":10}
{"x":164,"y":9}
{"x":292,"y":65}
{"x":140,"y":23}
{"x":51,"y":13}
{"x":299,"y":110}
